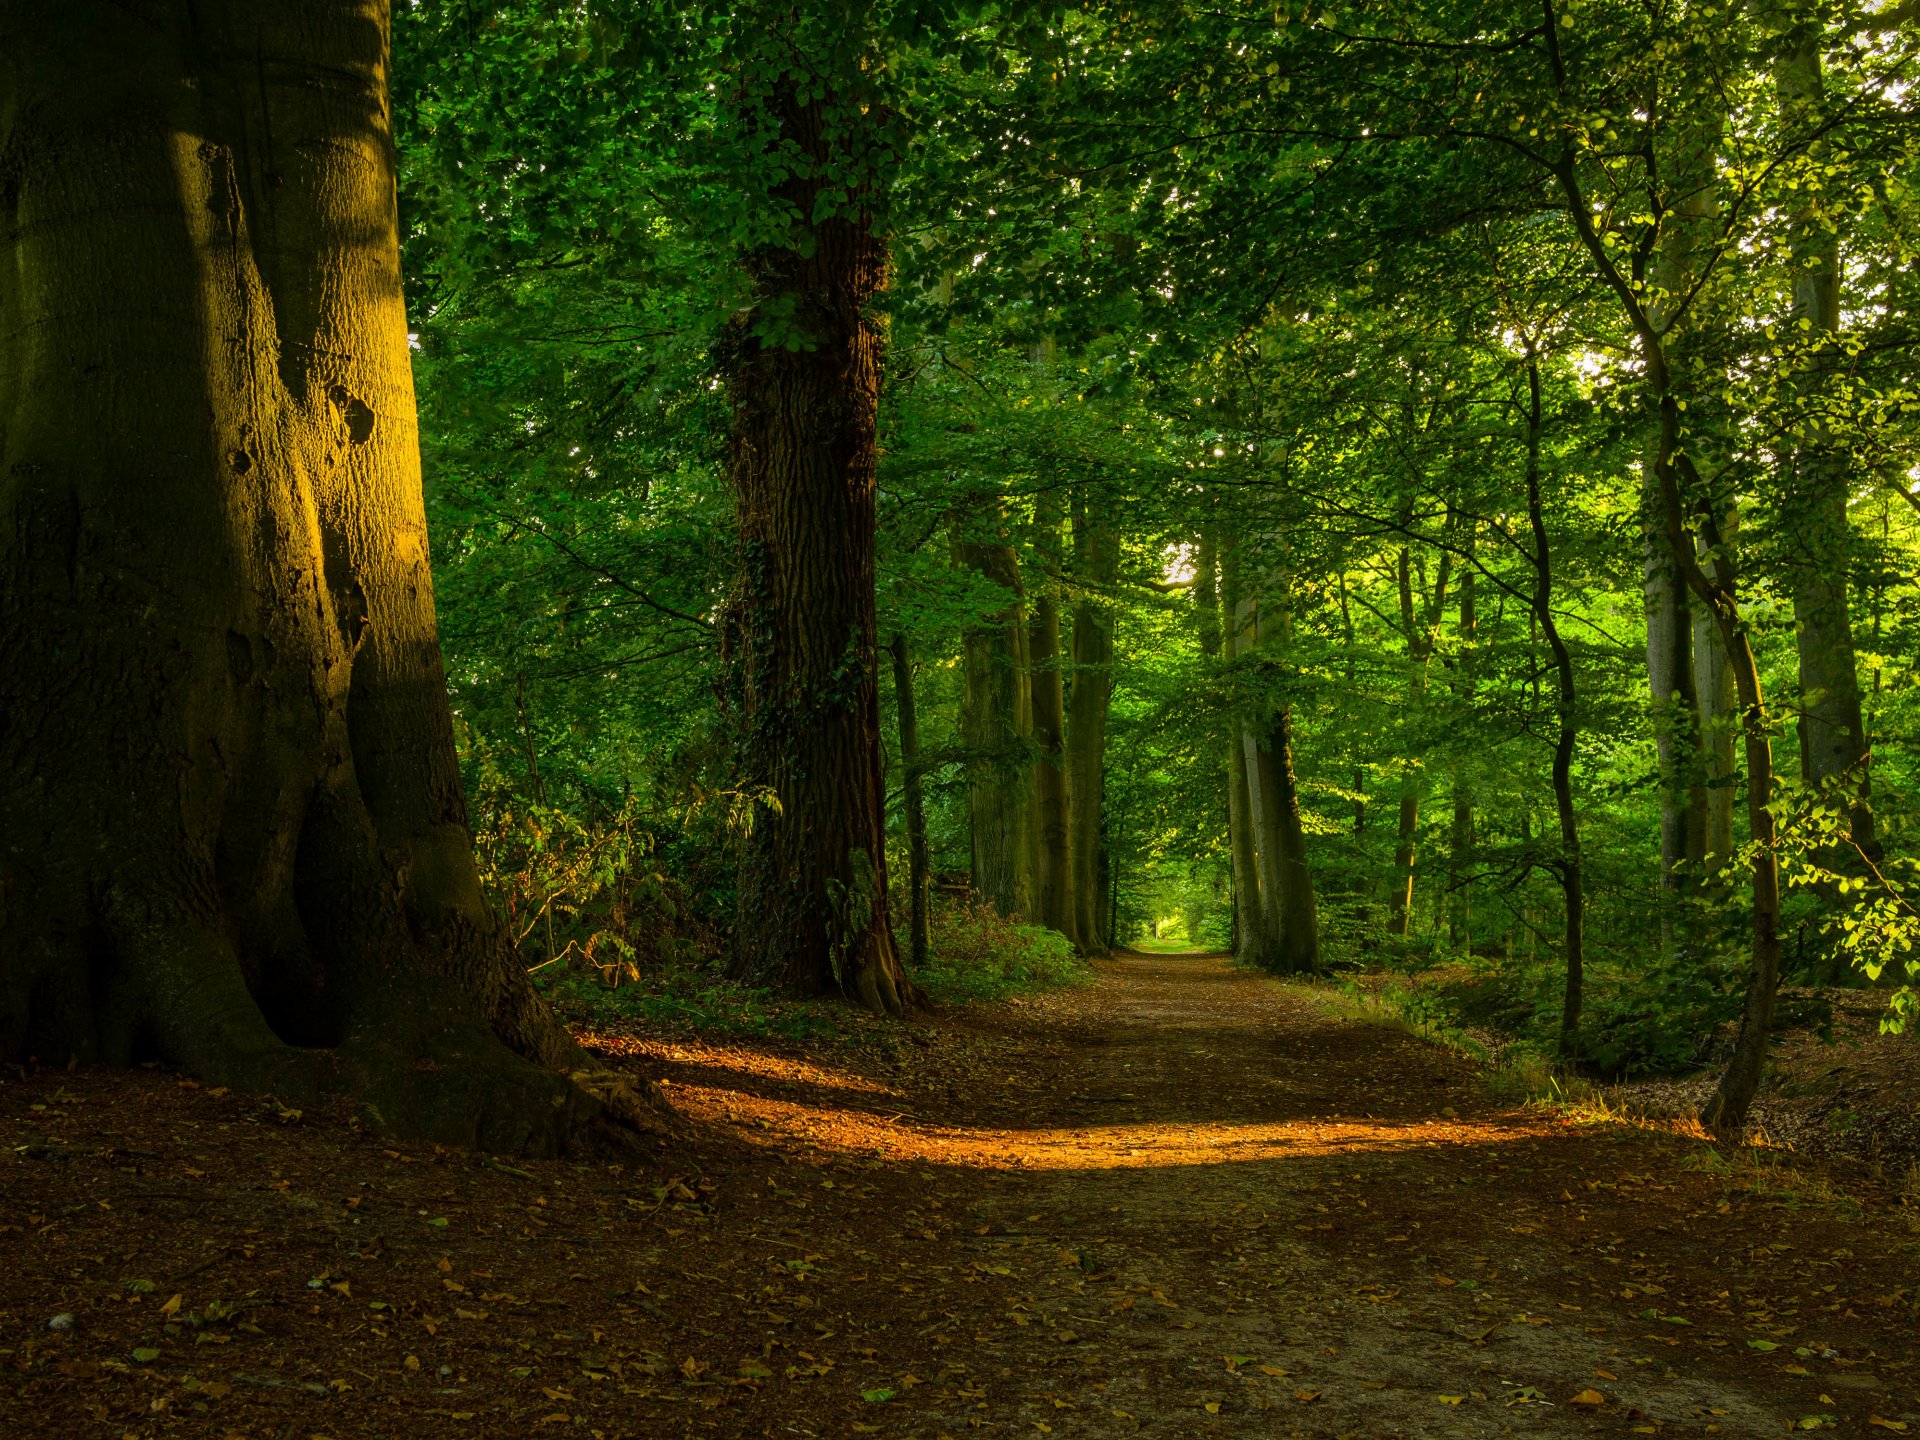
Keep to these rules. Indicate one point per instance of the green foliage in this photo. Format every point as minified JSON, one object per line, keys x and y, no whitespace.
{"x":975,"y":953}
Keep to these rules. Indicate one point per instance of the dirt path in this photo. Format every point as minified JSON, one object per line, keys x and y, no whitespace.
{"x":1182,"y":1200}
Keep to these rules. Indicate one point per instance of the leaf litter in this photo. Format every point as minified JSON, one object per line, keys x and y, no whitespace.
{"x":1180,"y":1198}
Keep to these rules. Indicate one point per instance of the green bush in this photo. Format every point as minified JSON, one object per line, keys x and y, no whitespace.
{"x":975,"y":953}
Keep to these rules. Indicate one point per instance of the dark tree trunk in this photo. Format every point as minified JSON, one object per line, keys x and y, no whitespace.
{"x":1096,"y":562}
{"x":1417,"y":624}
{"x":234,"y":836}
{"x":1460,"y":841}
{"x":1572,"y":890}
{"x":995,"y":721}
{"x":914,"y":801}
{"x":803,"y":376}
{"x":1052,"y":804}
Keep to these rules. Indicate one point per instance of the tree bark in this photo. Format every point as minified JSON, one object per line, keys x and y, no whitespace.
{"x":1052,"y":804}
{"x":1248,"y":903}
{"x":1095,"y":565}
{"x":1288,"y":940}
{"x":1566,"y":713}
{"x":235,"y":837}
{"x":803,"y":377}
{"x":1460,"y":843}
{"x":914,"y":803}
{"x":1417,"y":625}
{"x":1719,"y":719}
{"x":995,"y":722}
{"x":1833,"y":740}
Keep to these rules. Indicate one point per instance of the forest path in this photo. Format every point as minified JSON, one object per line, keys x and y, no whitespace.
{"x":1180,"y":1200}
{"x":1187,"y":1199}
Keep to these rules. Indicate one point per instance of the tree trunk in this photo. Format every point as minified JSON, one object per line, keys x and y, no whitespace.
{"x":234,"y":836}
{"x":1246,"y":873}
{"x":1417,"y":625}
{"x":1833,"y":740}
{"x":995,"y":720}
{"x":1460,"y":843}
{"x":914,"y":802}
{"x":1719,"y":719}
{"x":1052,"y":805}
{"x":1673,"y":686}
{"x":1572,"y":890}
{"x":1095,"y":564}
{"x":803,"y":377}
{"x":1288,"y":938}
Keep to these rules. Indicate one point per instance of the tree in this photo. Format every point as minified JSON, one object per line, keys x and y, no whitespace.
{"x":235,"y":837}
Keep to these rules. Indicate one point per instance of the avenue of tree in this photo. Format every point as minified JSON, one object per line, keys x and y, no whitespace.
{"x":1408,"y":481}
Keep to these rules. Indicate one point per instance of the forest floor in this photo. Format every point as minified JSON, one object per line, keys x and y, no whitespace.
{"x":1180,"y":1200}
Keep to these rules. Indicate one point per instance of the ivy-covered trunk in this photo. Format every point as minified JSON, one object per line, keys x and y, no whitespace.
{"x":234,"y":837}
{"x":803,"y":377}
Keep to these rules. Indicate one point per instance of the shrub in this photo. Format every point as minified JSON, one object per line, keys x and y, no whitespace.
{"x":975,"y":953}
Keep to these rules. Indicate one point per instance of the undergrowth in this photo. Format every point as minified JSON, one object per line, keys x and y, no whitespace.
{"x":978,"y":954}
{"x":703,"y":1001}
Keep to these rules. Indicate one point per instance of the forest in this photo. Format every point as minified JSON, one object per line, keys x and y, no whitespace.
{"x":939,"y":716}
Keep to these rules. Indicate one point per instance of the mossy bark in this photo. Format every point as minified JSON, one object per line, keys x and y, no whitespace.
{"x":234,"y":836}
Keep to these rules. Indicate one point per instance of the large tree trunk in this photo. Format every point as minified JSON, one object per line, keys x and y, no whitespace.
{"x":1095,"y":564}
{"x":995,"y":720}
{"x":1673,"y":685}
{"x":1217,"y":599}
{"x":234,"y":836}
{"x":1288,"y":938}
{"x":1052,"y":804}
{"x":1833,"y":740}
{"x":800,"y":627}
{"x":914,"y":803}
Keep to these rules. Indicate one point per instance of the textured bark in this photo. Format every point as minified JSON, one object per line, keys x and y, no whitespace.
{"x":995,"y":721}
{"x":1095,"y":565}
{"x":234,"y":836}
{"x":914,"y":801}
{"x":1833,"y":740}
{"x":1287,"y":940}
{"x":1248,"y":903}
{"x":1052,"y":805}
{"x":800,"y":628}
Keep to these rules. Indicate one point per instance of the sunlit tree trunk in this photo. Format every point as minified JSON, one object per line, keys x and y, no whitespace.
{"x":234,"y":836}
{"x":813,"y":912}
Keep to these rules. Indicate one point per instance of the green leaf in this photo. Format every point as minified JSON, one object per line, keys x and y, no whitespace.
{"x":878,"y":1397}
